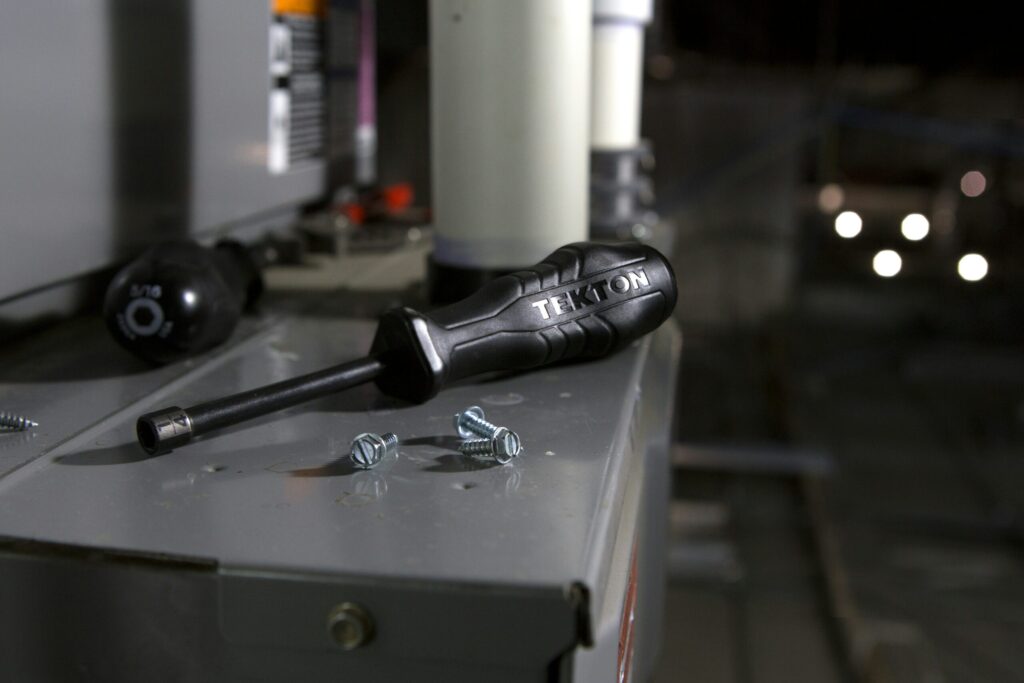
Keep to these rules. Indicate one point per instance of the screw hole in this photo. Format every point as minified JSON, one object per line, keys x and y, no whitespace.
{"x":464,"y":485}
{"x":350,"y":626}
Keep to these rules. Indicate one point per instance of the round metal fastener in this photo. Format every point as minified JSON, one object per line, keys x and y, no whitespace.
{"x":350,"y":626}
{"x":368,"y":449}
{"x":461,"y":423}
{"x":505,"y":445}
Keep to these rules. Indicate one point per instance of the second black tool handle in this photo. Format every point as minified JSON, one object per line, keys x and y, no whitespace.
{"x":584,"y":300}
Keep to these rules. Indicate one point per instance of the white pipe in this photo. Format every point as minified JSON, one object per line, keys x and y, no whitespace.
{"x":617,"y":72}
{"x":510,"y":87}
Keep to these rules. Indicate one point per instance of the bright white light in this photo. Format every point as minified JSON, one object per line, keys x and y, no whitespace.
{"x":190,"y":297}
{"x":848,"y":224}
{"x":830,"y":198}
{"x":973,"y":183}
{"x":972,"y":267}
{"x":914,"y":227}
{"x":887,"y":263}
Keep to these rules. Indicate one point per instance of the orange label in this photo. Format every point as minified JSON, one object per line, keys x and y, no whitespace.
{"x":310,"y":7}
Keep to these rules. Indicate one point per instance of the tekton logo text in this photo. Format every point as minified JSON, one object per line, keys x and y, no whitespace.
{"x":591,"y":293}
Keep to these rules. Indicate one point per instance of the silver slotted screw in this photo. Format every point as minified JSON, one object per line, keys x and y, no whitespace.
{"x":368,"y":449}
{"x":470,"y":422}
{"x":503,"y":446}
{"x":16,"y":423}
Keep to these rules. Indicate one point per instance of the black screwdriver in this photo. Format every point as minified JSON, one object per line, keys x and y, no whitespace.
{"x":585,"y":300}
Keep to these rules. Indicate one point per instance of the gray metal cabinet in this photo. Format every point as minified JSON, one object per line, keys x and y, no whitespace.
{"x":223,"y":561}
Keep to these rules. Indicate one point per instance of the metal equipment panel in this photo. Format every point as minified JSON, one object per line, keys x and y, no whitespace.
{"x":471,"y":570}
{"x":122,"y":123}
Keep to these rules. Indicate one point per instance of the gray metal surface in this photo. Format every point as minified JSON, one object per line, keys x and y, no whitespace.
{"x":72,"y":376}
{"x":523,"y":561}
{"x":287,"y":478}
{"x":124,"y":122}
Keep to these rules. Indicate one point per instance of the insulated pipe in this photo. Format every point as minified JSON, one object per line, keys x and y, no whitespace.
{"x":510,"y":94}
{"x":617,"y":73}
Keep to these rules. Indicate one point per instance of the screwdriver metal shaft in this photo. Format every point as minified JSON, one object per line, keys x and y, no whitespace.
{"x":166,"y":429}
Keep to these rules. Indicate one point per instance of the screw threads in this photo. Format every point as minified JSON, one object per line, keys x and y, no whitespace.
{"x":390,"y":443}
{"x":500,"y":443}
{"x":477,"y":447}
{"x":471,"y":422}
{"x":10,"y":421}
{"x":478,"y":425}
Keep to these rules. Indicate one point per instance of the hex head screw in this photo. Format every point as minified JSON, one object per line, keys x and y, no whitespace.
{"x":368,"y":448}
{"x":502,"y":446}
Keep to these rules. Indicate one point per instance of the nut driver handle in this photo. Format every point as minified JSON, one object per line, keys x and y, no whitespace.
{"x":585,"y":300}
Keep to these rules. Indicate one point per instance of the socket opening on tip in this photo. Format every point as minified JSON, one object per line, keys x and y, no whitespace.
{"x":148,"y":437}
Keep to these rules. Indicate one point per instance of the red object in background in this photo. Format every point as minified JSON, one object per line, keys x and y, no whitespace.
{"x":356,"y":213}
{"x":397,"y":197}
{"x":389,"y":201}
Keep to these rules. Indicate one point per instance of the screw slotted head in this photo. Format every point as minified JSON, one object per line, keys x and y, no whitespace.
{"x":463,"y":422}
{"x":505,"y":445}
{"x":368,"y":448}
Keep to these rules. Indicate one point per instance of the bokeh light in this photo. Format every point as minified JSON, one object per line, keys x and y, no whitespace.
{"x":973,"y":183}
{"x":914,"y":227}
{"x":972,"y":267}
{"x":848,"y":224}
{"x":887,"y":263}
{"x":831,"y":198}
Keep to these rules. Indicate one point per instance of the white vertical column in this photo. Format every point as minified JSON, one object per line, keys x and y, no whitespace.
{"x":510,"y":103}
{"x":617,"y":72}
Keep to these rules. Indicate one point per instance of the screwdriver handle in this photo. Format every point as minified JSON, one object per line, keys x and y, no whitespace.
{"x":584,"y":300}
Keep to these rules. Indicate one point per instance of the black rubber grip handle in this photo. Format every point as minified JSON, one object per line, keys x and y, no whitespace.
{"x":179,"y":298}
{"x":584,"y":300}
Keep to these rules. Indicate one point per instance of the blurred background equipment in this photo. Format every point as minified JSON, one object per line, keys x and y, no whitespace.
{"x":125,"y":124}
{"x":621,"y":193}
{"x":509,"y":97}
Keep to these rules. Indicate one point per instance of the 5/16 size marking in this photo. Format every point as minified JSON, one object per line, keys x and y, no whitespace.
{"x":591,"y":293}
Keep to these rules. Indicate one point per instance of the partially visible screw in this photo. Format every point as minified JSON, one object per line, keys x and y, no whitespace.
{"x":470,"y":422}
{"x":350,"y":625}
{"x":369,"y":449}
{"x":16,"y":423}
{"x":503,"y":446}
